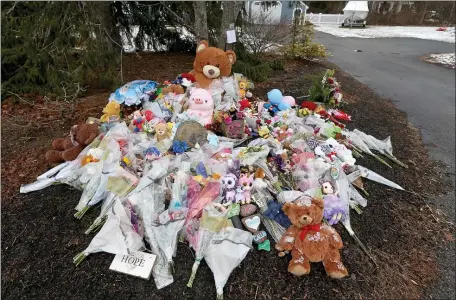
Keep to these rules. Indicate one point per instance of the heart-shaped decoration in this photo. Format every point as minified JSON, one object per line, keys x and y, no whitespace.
{"x":252,"y":223}
{"x":247,"y":210}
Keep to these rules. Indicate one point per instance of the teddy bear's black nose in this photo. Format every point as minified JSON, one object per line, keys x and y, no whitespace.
{"x":211,"y":72}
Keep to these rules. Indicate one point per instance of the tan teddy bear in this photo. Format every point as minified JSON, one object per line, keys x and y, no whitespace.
{"x":161,"y":132}
{"x":173,"y":88}
{"x":211,"y":63}
{"x":310,"y":241}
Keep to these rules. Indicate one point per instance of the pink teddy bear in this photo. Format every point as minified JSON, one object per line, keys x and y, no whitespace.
{"x":201,"y":105}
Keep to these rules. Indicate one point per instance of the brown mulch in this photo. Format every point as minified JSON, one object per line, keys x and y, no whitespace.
{"x":40,"y":234}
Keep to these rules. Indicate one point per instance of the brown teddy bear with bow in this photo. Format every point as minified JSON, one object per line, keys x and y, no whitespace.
{"x":309,"y":240}
{"x":211,"y":63}
{"x":67,"y":149}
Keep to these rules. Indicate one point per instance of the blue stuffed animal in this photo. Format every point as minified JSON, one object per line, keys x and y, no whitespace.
{"x":275,"y":98}
{"x":275,"y":212}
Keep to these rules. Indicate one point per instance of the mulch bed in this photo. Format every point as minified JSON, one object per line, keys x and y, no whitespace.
{"x":40,"y":234}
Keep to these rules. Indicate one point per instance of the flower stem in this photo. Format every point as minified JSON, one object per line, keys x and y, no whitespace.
{"x":79,"y":258}
{"x":381,"y":160}
{"x":395,"y":160}
{"x":192,"y":276}
{"x":364,"y":248}
{"x":80,"y":213}
{"x":96,"y":225}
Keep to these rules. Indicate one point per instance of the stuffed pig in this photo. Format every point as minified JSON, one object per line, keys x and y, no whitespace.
{"x":201,"y":105}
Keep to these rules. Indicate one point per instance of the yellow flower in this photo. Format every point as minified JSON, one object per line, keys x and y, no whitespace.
{"x":126,"y":160}
{"x":263,"y":131}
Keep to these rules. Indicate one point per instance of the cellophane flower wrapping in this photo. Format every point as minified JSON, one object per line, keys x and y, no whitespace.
{"x":213,"y":219}
{"x":151,"y":202}
{"x":117,"y":235}
{"x":226,"y":250}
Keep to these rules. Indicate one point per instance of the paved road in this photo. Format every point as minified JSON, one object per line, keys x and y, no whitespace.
{"x":426,"y":92}
{"x":392,"y":67}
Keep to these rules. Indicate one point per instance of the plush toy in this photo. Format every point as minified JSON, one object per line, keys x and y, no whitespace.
{"x":244,"y":104}
{"x":186,"y":80}
{"x":275,"y":212}
{"x":229,"y":188}
{"x":137,"y":121}
{"x":282,"y":133}
{"x":175,"y":89}
{"x":259,"y":183}
{"x":69,"y":148}
{"x":289,"y":100}
{"x":211,"y":63}
{"x":201,"y":105}
{"x":275,"y":98}
{"x":335,"y":209}
{"x":246,"y":182}
{"x":161,"y":132}
{"x":229,"y":182}
{"x":111,"y":109}
{"x":310,"y":241}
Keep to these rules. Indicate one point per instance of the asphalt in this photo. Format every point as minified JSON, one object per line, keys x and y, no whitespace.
{"x":426,"y":93}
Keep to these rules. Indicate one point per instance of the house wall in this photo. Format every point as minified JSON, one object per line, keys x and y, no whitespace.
{"x":287,"y":11}
{"x":273,"y":12}
{"x":282,"y":12}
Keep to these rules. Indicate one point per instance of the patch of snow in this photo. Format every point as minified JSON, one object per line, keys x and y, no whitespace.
{"x":130,"y":46}
{"x":447,"y":59}
{"x":288,"y":239}
{"x":314,"y":238}
{"x":426,"y":33}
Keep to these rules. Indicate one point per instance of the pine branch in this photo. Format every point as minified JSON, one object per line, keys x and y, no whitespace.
{"x":180,"y":19}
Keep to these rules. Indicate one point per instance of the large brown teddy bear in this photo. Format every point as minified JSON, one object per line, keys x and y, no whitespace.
{"x":310,"y":241}
{"x":211,"y":63}
{"x":69,"y":148}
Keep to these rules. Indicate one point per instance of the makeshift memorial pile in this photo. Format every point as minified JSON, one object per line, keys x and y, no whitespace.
{"x":200,"y":160}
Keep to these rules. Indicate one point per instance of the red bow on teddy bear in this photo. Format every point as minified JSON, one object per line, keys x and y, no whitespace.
{"x":306,"y":229}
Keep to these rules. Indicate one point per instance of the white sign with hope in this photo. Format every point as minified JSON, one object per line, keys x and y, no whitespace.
{"x":138,"y":264}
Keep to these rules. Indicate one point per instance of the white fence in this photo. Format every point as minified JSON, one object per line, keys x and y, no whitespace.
{"x":325,"y":18}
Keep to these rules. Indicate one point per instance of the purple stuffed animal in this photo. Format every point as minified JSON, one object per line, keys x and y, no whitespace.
{"x":335,"y":210}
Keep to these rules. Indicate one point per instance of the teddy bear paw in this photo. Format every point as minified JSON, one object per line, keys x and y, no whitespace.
{"x":339,"y":272}
{"x":54,"y":156}
{"x":298,"y":270}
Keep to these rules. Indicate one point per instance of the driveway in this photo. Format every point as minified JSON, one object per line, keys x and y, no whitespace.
{"x":426,"y":92}
{"x":392,"y":67}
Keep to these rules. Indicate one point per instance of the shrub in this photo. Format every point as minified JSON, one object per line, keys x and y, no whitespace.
{"x":303,"y":46}
{"x":304,"y":50}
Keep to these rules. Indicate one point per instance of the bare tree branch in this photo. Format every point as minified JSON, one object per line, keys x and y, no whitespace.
{"x":12,"y":8}
{"x":261,"y":33}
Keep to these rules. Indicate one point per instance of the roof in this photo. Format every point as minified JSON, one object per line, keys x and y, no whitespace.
{"x":303,"y":5}
{"x":356,"y":6}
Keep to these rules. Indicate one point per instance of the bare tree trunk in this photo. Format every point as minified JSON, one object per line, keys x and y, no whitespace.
{"x":423,"y":14}
{"x":450,"y":19}
{"x":231,"y":10}
{"x":106,"y":18}
{"x":200,"y":20}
